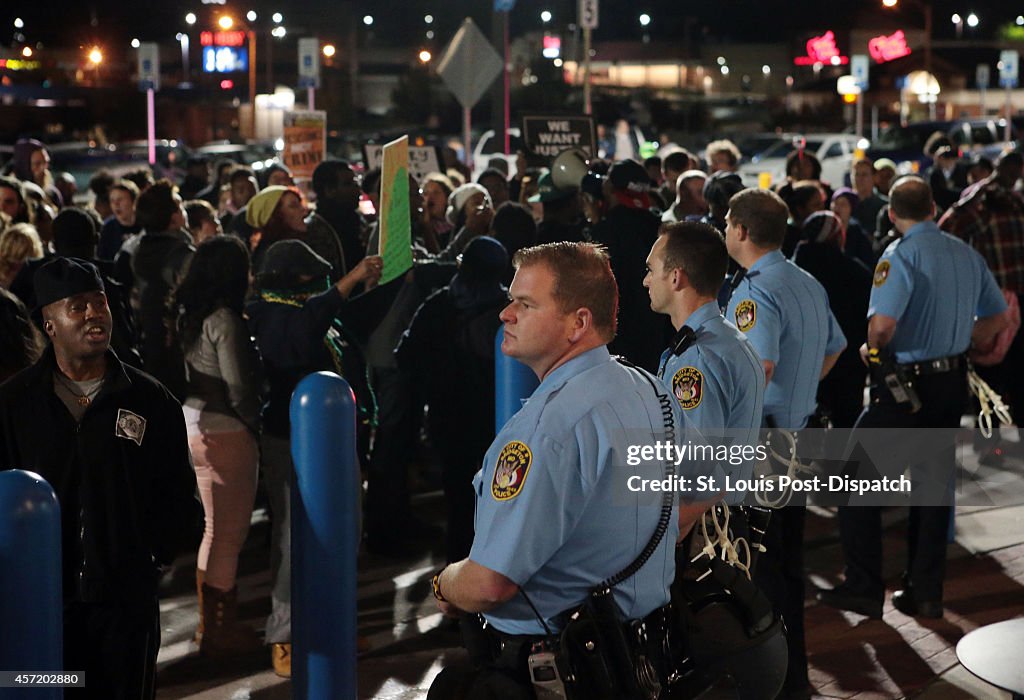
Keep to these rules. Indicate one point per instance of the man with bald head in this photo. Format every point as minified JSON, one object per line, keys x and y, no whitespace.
{"x":111,"y":442}
{"x":932,"y":300}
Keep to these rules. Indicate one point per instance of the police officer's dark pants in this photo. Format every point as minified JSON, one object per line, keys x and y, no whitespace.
{"x":780,"y":574}
{"x":387,"y":492}
{"x":1007,"y":379}
{"x":115,"y":644}
{"x":930,"y":454}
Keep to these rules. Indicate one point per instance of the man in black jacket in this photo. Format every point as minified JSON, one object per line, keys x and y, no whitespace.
{"x":111,"y":442}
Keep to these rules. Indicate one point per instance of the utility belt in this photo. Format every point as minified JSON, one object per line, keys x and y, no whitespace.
{"x":941,"y":365}
{"x":597,"y":656}
{"x":899,"y":378}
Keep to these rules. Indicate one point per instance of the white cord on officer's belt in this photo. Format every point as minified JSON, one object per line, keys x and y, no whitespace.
{"x":991,"y":403}
{"x":793,"y":466}
{"x":730,"y":549}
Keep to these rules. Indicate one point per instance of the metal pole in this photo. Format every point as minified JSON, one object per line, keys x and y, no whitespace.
{"x":325,"y":537}
{"x":859,"y":128}
{"x":513,"y":382}
{"x":252,"y":83}
{"x":270,"y":64}
{"x":1009,"y":113}
{"x":874,"y":123}
{"x":31,"y":604}
{"x":310,"y":96}
{"x":465,"y":134}
{"x":151,"y":124}
{"x":505,"y":71}
{"x":586,"y":71}
{"x":983,"y":110}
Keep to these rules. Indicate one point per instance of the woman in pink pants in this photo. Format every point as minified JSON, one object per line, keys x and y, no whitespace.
{"x":222,"y":414}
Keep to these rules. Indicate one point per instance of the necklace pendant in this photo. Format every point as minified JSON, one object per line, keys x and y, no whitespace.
{"x":84,"y":401}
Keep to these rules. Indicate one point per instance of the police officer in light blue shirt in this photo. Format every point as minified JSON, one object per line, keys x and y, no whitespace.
{"x":710,"y":368}
{"x":784,"y":312}
{"x":932,"y":298}
{"x":555,"y":511}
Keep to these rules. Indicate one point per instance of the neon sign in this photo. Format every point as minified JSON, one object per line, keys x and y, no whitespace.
{"x":889,"y":48}
{"x":822,"y":49}
{"x":235,"y":38}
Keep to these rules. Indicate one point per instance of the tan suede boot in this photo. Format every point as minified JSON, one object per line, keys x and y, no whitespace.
{"x":200,"y":578}
{"x":223,"y":635}
{"x":281,"y":658}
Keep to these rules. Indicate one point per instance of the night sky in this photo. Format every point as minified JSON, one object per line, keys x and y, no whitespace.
{"x":63,"y":23}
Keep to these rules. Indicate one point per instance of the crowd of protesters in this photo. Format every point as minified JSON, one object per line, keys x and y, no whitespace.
{"x":228,"y":293}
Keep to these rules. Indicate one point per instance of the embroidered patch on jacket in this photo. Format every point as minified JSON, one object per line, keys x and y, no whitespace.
{"x":510,"y":472}
{"x":130,"y":426}
{"x":688,"y":387}
{"x":881,"y":272}
{"x":746,"y":314}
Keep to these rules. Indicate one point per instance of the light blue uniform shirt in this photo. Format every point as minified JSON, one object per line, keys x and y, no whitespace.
{"x":784,"y":313}
{"x":934,"y":285}
{"x":719,"y":383}
{"x":554,"y":512}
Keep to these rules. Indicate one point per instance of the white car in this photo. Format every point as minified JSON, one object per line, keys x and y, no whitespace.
{"x":487,"y":147}
{"x":834,"y":151}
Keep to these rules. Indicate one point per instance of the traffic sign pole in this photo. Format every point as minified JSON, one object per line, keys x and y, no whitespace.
{"x":588,"y":20}
{"x":1008,"y":79}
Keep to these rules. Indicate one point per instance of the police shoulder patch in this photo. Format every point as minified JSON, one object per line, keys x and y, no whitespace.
{"x":881,"y":272}
{"x":688,"y":387}
{"x":510,"y":472}
{"x":746,"y":314}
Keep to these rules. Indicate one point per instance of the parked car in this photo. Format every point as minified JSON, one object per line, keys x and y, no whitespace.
{"x":835,"y":151}
{"x":904,"y":143}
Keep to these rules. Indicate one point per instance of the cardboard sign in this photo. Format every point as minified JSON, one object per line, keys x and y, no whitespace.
{"x":549,"y":136}
{"x":422,"y":159}
{"x":305,"y":141}
{"x":395,"y":225}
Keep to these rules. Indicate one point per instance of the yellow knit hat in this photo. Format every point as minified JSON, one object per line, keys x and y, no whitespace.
{"x":261,"y":207}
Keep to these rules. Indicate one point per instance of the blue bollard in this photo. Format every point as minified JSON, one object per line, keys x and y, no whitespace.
{"x":513,"y":382}
{"x":325,"y":538}
{"x":31,"y":593}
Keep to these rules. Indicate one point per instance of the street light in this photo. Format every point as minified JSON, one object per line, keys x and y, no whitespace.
{"x":19,"y":23}
{"x":428,"y":19}
{"x":972,"y":20}
{"x":26,"y":52}
{"x":958,"y":22}
{"x":329,"y":50}
{"x":251,"y":15}
{"x":136,"y":43}
{"x":226,"y":22}
{"x":645,"y":19}
{"x":545,"y":16}
{"x":190,"y":18}
{"x":95,"y":56}
{"x":277,"y":17}
{"x":425,"y":56}
{"x":368,"y":20}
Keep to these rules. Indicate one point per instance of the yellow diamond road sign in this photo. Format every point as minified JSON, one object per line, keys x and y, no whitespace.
{"x":469,"y":64}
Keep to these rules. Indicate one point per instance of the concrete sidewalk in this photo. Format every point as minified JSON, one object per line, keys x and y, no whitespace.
{"x":850,"y":656}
